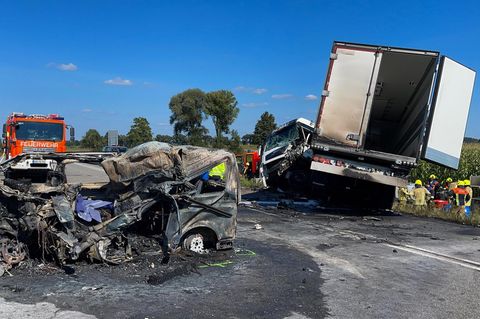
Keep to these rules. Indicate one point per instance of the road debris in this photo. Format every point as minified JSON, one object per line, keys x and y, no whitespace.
{"x":155,"y":190}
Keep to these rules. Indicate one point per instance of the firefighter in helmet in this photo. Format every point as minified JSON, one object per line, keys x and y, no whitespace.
{"x":421,"y":194}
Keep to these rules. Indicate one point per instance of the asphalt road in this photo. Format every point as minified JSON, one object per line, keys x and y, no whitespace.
{"x":85,"y":173}
{"x":301,"y":264}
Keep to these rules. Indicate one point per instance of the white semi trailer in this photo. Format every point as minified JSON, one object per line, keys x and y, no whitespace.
{"x":382,"y":110}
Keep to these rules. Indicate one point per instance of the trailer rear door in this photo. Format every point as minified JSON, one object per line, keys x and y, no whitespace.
{"x":449,"y":113}
{"x":347,"y":95}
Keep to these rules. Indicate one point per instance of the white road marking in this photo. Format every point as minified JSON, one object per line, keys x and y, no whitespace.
{"x":470,"y":264}
{"x":435,"y":255}
{"x":296,"y":315}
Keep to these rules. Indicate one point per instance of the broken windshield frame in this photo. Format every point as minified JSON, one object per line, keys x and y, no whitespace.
{"x":39,"y":131}
{"x":282,"y":137}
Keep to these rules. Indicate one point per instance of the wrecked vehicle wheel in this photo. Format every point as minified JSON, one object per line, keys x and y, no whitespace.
{"x":194,"y":243}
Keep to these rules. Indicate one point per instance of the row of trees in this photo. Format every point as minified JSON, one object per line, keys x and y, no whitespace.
{"x":189,"y":109}
{"x":192,"y":106}
{"x":140,"y":132}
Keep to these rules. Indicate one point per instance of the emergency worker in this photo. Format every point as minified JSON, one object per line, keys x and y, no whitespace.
{"x":420,"y":194}
{"x":452,"y":185}
{"x":448,"y":183}
{"x":218,"y":172}
{"x":461,"y":196}
{"x":246,"y":169}
{"x":403,"y":195}
{"x":468,"y":203}
{"x":433,"y":184}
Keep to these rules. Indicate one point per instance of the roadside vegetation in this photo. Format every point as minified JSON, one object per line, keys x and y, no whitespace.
{"x":453,"y":215}
{"x":250,"y":183}
{"x":189,"y":109}
{"x":469,"y":165}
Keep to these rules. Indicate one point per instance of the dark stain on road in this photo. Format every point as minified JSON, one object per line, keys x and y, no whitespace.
{"x":257,"y":280}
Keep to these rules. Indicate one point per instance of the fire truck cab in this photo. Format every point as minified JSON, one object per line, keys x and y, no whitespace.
{"x":33,"y":134}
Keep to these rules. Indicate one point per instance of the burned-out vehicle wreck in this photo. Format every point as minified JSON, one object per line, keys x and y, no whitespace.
{"x":168,"y":193}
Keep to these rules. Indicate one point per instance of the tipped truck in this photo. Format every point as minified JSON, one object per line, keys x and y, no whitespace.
{"x":382,"y":110}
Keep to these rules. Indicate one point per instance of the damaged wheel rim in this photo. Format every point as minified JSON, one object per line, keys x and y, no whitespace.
{"x":195,"y":244}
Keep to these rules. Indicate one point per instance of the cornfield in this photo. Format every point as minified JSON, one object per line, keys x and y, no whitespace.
{"x":469,"y":166}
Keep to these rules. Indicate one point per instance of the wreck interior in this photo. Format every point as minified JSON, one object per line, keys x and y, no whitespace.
{"x":165,"y":193}
{"x":400,"y":103}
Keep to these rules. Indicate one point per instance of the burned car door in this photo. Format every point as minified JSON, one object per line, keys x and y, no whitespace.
{"x":207,"y":218}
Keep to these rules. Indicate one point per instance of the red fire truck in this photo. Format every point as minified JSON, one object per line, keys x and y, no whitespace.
{"x":34,"y":134}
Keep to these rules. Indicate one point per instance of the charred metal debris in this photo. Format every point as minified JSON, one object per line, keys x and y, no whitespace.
{"x":155,"y":190}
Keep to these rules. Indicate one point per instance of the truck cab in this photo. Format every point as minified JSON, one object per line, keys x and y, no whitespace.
{"x":283,"y":153}
{"x":33,"y":135}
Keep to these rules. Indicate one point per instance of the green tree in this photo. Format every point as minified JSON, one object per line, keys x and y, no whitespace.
{"x":188,"y":112}
{"x":265,"y":125}
{"x":247,"y":139}
{"x":164,"y":138}
{"x":122,"y":140}
{"x":140,"y":132}
{"x":179,"y":139}
{"x":235,"y":142}
{"x":222,"y":107}
{"x":92,"y":140}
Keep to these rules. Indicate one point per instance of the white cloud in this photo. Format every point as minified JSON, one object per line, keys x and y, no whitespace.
{"x":281,"y":96}
{"x":240,"y":89}
{"x":67,"y":67}
{"x":254,"y":104}
{"x":245,"y":89}
{"x":311,"y":97}
{"x":259,"y":91}
{"x":118,"y":81}
{"x":63,"y":66}
{"x":86,"y":110}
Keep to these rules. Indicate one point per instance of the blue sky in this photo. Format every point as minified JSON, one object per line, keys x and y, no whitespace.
{"x":102,"y":63}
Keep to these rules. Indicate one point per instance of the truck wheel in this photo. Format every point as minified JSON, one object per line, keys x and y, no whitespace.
{"x":195,"y":243}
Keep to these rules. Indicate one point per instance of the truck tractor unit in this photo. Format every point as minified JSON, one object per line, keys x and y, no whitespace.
{"x":285,"y":160}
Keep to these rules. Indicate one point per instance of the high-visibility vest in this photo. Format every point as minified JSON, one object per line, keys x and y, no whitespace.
{"x":470,"y":192}
{"x":461,"y":196}
{"x":218,"y":170}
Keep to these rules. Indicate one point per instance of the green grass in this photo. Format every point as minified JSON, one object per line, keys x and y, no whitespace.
{"x":430,"y":211}
{"x":253,"y":183}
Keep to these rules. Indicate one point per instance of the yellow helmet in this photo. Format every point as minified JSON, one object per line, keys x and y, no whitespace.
{"x":461,"y":183}
{"x":449,"y":180}
{"x":466,"y":182}
{"x":433,"y":177}
{"x":418,"y":182}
